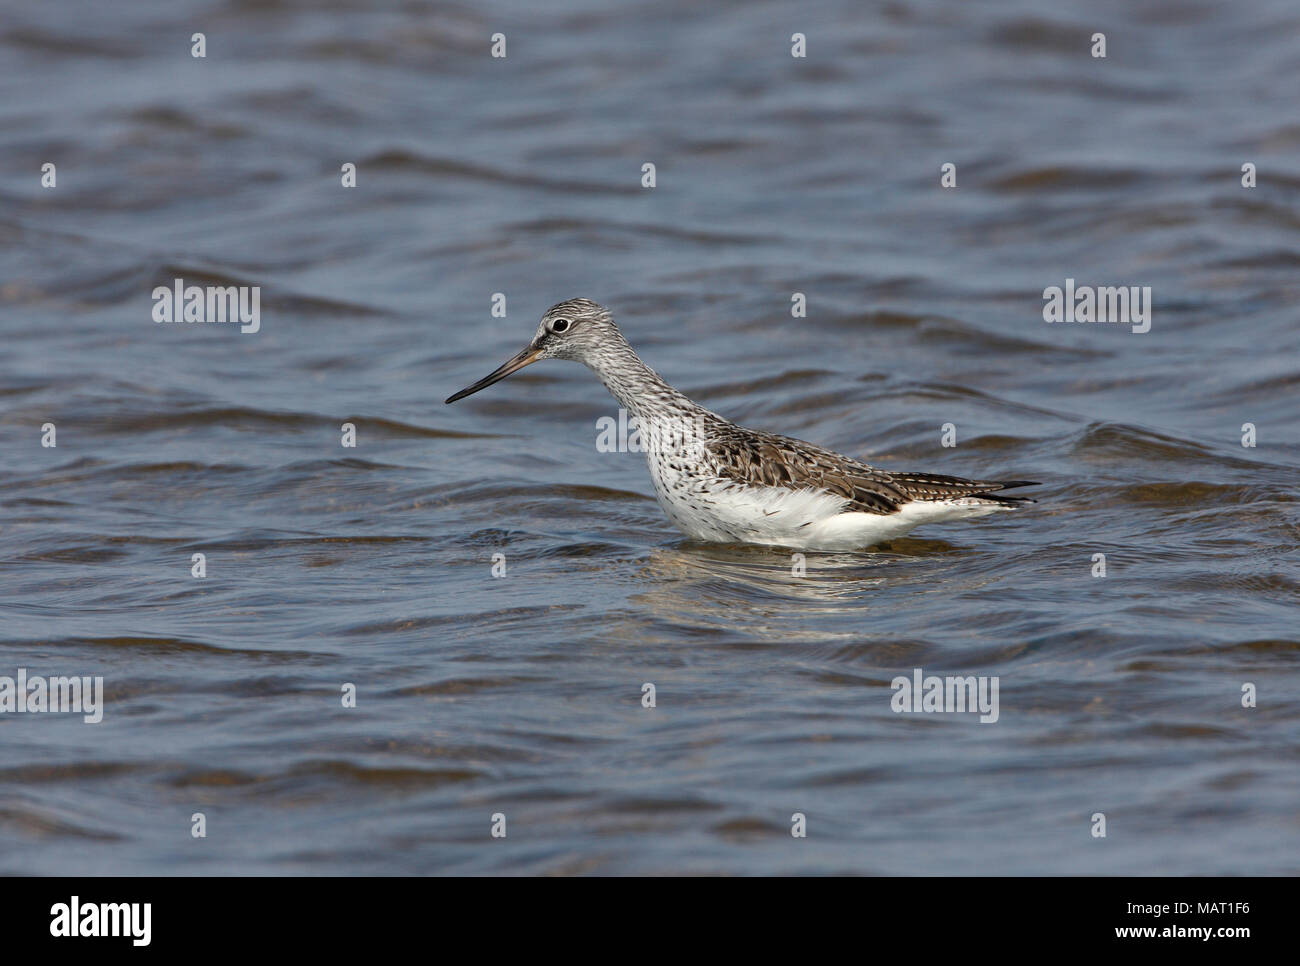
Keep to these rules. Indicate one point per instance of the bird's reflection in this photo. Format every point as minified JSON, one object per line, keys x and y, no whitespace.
{"x":795,"y":595}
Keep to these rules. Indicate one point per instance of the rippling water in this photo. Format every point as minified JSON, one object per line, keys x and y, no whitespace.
{"x":522,"y":695}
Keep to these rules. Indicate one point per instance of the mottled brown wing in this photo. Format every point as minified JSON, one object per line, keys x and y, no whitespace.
{"x":760,"y":459}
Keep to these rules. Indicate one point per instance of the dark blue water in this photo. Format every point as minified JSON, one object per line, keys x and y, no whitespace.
{"x":521,"y":695}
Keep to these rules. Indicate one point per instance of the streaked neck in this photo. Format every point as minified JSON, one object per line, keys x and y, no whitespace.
{"x":638,"y":388}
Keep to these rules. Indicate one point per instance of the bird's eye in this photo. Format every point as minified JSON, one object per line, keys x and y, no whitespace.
{"x":560,"y":325}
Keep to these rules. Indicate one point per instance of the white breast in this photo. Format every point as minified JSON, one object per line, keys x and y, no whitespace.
{"x":707,"y":507}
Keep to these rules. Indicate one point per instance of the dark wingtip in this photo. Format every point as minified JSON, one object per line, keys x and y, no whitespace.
{"x":995,"y":496}
{"x":1006,"y":500}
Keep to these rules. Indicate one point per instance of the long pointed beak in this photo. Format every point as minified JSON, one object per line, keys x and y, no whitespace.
{"x":526,"y":356}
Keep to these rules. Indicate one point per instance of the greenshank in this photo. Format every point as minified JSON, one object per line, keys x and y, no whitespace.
{"x":721,"y":482}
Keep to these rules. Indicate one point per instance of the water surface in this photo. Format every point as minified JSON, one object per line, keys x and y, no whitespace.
{"x":521,"y":695}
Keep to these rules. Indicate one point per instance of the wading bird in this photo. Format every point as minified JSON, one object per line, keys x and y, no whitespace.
{"x":721,"y":482}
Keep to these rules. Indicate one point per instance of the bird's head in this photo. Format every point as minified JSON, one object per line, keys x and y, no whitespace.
{"x":576,"y":330}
